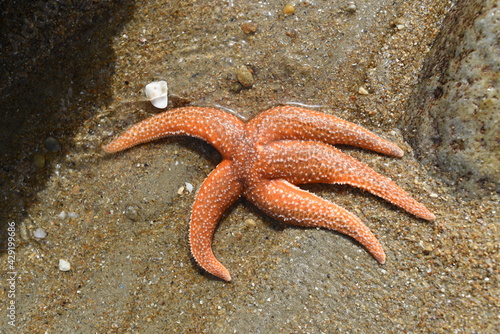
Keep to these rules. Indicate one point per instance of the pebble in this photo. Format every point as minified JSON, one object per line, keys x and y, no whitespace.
{"x":249,"y":27}
{"x":64,"y":265}
{"x":250,"y":222}
{"x":73,"y":215}
{"x":363,"y":91}
{"x":39,"y":233}
{"x":351,"y":8}
{"x":189,"y":187}
{"x":289,"y":9}
{"x":400,"y":23}
{"x":235,"y":86}
{"x":52,"y":145}
{"x":245,"y":76}
{"x":39,"y":160}
{"x":131,"y":213}
{"x":62,"y":215}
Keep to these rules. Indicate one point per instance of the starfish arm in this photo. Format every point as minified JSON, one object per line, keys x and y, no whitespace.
{"x":219,"y":190}
{"x":288,"y":122}
{"x":313,"y":162}
{"x":290,"y":204}
{"x":218,"y":128}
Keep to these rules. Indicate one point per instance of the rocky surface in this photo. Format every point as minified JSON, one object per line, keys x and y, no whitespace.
{"x":452,"y":118}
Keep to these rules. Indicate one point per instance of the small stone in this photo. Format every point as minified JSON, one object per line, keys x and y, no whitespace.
{"x":362,"y":90}
{"x":131,"y":212}
{"x":39,"y":160}
{"x":245,"y":77}
{"x":64,"y":265}
{"x":73,"y":215}
{"x":427,"y":249}
{"x":76,"y":190}
{"x":235,"y":87}
{"x":249,"y":27}
{"x":39,"y":233}
{"x":250,"y":222}
{"x":189,"y":187}
{"x":351,"y":8}
{"x":289,"y":9}
{"x":62,"y":215}
{"x":52,"y":145}
{"x":180,"y":190}
{"x":400,"y":23}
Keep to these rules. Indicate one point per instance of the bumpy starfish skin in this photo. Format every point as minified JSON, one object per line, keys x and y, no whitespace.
{"x":265,"y":159}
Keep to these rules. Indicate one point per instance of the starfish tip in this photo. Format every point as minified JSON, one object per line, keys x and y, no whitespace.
{"x":430,"y":216}
{"x":224,"y":276}
{"x":107,"y":149}
{"x":379,"y":256}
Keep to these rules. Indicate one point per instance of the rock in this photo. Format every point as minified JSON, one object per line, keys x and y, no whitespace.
{"x":132,"y":212}
{"x":351,"y":8}
{"x":64,"y":265}
{"x":362,"y":90}
{"x":245,"y":77}
{"x":52,"y":144}
{"x":73,"y":215}
{"x":189,"y":187}
{"x":289,"y":9}
{"x":453,"y":119}
{"x":40,"y":233}
{"x":39,"y":160}
{"x":249,"y":27}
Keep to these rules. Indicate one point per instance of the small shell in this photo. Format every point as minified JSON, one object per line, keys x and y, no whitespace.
{"x":157,"y":92}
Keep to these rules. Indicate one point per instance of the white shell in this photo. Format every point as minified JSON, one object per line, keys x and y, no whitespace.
{"x":157,"y":92}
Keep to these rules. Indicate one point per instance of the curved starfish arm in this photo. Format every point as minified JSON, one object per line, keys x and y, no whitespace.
{"x":288,"y":122}
{"x":313,"y":162}
{"x":217,"y":127}
{"x":219,"y":190}
{"x":290,"y":204}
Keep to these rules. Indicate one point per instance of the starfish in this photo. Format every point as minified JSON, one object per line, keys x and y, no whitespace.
{"x":265,"y":159}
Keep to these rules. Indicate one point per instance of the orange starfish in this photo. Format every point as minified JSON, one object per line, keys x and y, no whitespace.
{"x":264,"y":159}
